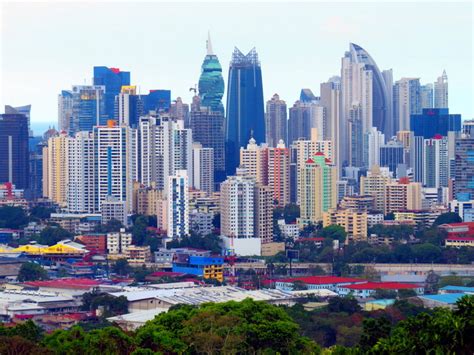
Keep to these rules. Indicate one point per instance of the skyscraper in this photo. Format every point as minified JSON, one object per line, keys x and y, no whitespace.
{"x":156,"y":100}
{"x":112,"y":79}
{"x":373,"y":140}
{"x":391,"y":155}
{"x":211,"y":83}
{"x":363,"y":84}
{"x":375,"y":184}
{"x":441,"y":91}
{"x":434,"y":121}
{"x":245,"y":112}
{"x":426,"y":96}
{"x":22,"y":110}
{"x":207,"y":128}
{"x":14,"y":150}
{"x":276,"y":121}
{"x":65,"y":107}
{"x":436,"y":163}
{"x":331,"y":101}
{"x":406,"y":102}
{"x":128,"y":106}
{"x":203,"y":168}
{"x":180,"y":111}
{"x":306,"y":119}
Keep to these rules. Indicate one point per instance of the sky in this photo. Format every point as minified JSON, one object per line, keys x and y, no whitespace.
{"x":47,"y":47}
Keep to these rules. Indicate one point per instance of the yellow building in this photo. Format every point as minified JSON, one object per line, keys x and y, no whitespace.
{"x":64,"y":247}
{"x":146,"y":200}
{"x":55,"y":169}
{"x":375,"y":185}
{"x":138,"y":255}
{"x":214,"y":272}
{"x":354,"y":222}
{"x":403,"y":195}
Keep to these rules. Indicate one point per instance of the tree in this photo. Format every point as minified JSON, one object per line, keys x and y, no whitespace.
{"x":426,"y":253}
{"x":446,"y":218}
{"x":112,"y":305}
{"x":406,"y":293}
{"x":333,"y":231}
{"x":121,"y":267}
{"x":41,"y":213}
{"x":12,"y":217}
{"x":31,"y":272}
{"x":52,"y":235}
{"x":385,"y":294}
{"x":111,"y":226}
{"x":373,"y":330}
{"x":346,"y":304}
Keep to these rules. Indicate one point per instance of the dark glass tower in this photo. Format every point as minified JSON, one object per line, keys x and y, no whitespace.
{"x":14,"y":155}
{"x":113,"y":79}
{"x":207,"y":112}
{"x":211,"y":83}
{"x":245,"y":112}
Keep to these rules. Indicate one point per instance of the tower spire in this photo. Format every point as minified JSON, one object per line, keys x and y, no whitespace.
{"x":209,"y":44}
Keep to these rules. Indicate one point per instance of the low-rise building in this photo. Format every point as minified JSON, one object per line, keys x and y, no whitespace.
{"x":118,"y":242}
{"x":354,"y":222}
{"x":209,"y":267}
{"x":368,"y":289}
{"x":458,"y":242}
{"x":331,"y":283}
{"x":421,"y":218}
{"x":273,"y":248}
{"x":138,"y":254}
{"x":201,"y":222}
{"x":289,"y":230}
{"x":94,"y":242}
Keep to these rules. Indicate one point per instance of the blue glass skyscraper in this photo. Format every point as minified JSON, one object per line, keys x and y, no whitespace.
{"x":435,"y":121}
{"x":245,"y":113}
{"x":157,"y":100}
{"x":113,"y":79}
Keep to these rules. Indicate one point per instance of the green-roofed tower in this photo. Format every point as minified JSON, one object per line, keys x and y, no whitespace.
{"x":211,"y":83}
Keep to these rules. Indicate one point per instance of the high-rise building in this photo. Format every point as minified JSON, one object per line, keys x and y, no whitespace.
{"x":436,"y":164}
{"x":65,"y":110}
{"x":263,"y":210}
{"x":55,"y":169}
{"x":237,"y":207}
{"x":330,"y":100}
{"x":276,"y":121}
{"x":14,"y":150}
{"x":362,"y":84}
{"x":22,"y":110}
{"x":178,"y":208}
{"x":207,"y":128}
{"x":157,"y":101}
{"x":165,"y":147}
{"x":441,"y":91}
{"x":211,"y":83}
{"x":254,"y":159}
{"x":426,"y":96}
{"x":279,"y":173}
{"x":113,"y":208}
{"x":391,"y":155}
{"x":356,"y":137}
{"x":128,"y":106}
{"x":317,"y":189}
{"x":115,"y":163}
{"x":306,"y":95}
{"x":203,"y":168}
{"x":435,"y":121}
{"x":245,"y":112}
{"x":180,"y":111}
{"x":112,"y":79}
{"x":406,"y":102}
{"x":374,"y":184}
{"x":464,"y":168}
{"x":403,"y":195}
{"x":304,"y":117}
{"x":81,"y":173}
{"x":373,"y":140}
{"x":88,"y":108}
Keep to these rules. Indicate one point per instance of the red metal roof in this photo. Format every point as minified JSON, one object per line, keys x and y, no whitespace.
{"x":321,"y":280}
{"x":454,"y":239}
{"x":319,"y":153}
{"x":310,"y":161}
{"x":65,"y":283}
{"x":167,"y":273}
{"x":381,"y":286}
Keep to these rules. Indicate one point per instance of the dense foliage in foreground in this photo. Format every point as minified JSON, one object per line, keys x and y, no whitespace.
{"x":250,"y":327}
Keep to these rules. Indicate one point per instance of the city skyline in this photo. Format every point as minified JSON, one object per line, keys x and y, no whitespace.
{"x":174,"y":63}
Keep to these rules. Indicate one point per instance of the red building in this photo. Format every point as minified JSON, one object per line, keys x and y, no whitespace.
{"x":464,"y":229}
{"x":94,"y":242}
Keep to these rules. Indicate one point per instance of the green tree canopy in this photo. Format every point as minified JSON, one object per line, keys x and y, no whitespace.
{"x":121,"y":267}
{"x":31,"y":272}
{"x":448,"y":217}
{"x":333,"y":231}
{"x":13,"y":217}
{"x":52,"y":235}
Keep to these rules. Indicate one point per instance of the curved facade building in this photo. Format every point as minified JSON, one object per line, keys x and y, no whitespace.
{"x":211,"y":83}
{"x":380,"y":93}
{"x":245,"y":113}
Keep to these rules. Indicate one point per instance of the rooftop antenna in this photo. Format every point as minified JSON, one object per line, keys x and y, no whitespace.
{"x":209,"y":44}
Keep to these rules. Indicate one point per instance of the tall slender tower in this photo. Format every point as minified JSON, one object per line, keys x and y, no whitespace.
{"x":441,"y":91}
{"x":245,"y":113}
{"x":276,"y":118}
